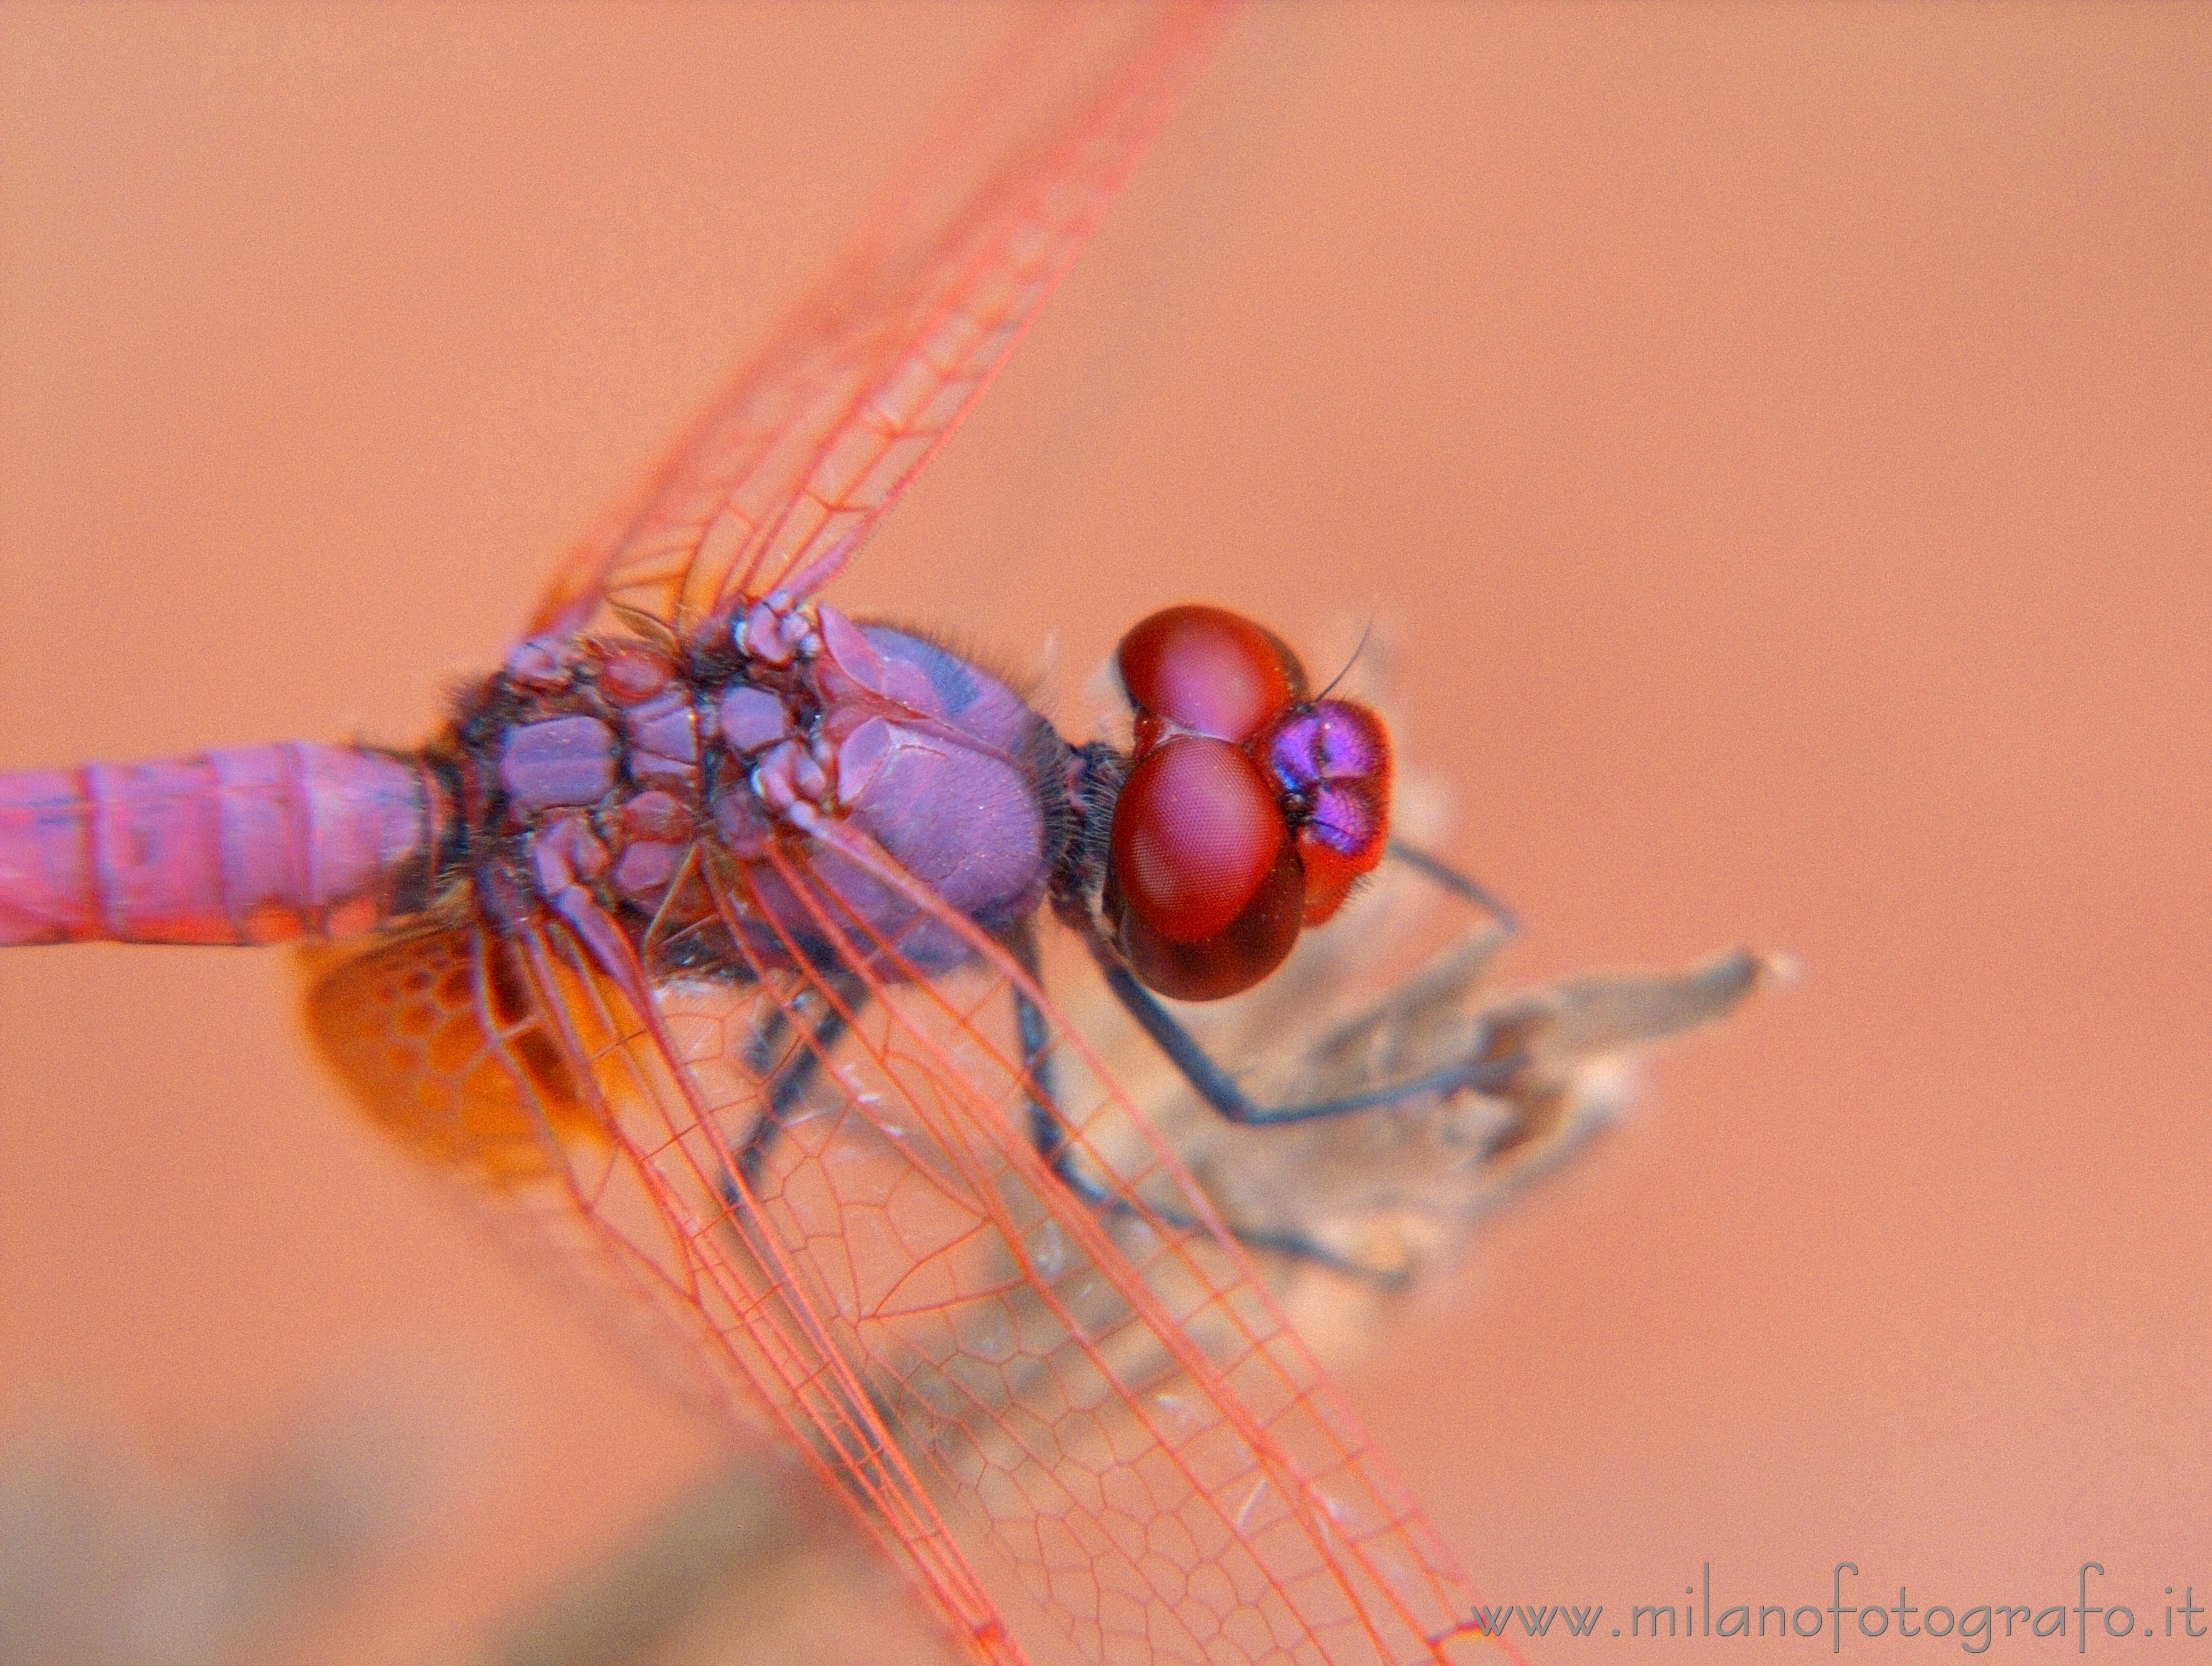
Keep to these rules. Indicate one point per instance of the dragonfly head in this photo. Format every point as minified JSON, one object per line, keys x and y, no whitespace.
{"x":1248,"y":810}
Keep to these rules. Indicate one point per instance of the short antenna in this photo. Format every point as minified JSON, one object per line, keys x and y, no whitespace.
{"x":1358,"y":648}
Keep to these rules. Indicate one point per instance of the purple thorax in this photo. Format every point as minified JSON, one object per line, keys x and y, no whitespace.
{"x":941,"y":764}
{"x":664,"y":797}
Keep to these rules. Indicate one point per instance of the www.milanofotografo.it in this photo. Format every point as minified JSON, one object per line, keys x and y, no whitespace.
{"x":1856,"y":1614}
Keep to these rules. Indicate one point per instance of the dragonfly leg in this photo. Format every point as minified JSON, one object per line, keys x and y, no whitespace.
{"x":790,"y":1080}
{"x":1463,"y":887}
{"x":1487,"y":1068}
{"x":1048,"y":1126}
{"x":1049,"y":1134}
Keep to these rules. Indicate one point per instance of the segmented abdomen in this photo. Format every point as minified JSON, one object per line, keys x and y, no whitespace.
{"x":251,"y":844}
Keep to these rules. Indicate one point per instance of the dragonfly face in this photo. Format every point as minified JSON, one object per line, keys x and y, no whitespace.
{"x":1249,"y":808}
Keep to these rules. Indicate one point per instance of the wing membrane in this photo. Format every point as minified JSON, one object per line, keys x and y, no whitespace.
{"x":1107,"y":1389}
{"x":1096,"y":1387}
{"x":606,"y":1144}
{"x":1113,"y":1391}
{"x":787,"y":468}
{"x":818,"y":1175}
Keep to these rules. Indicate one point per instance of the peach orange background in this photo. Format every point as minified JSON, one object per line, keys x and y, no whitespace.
{"x":1783,"y":436}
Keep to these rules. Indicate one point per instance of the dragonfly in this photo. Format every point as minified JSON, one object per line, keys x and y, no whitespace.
{"x":705,"y":945}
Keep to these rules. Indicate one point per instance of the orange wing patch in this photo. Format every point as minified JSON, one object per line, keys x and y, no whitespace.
{"x":511,"y":1066}
{"x":438,"y":1039}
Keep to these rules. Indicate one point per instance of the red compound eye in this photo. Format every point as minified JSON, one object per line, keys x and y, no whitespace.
{"x":1206,"y":671}
{"x":1204,"y":887}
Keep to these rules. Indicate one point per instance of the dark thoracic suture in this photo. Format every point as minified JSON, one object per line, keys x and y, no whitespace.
{"x":1081,"y":834}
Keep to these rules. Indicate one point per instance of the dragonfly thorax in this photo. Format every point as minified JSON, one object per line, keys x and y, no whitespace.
{"x":660,"y":789}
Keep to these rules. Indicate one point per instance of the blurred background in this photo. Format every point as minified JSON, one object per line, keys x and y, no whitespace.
{"x":1780,"y":439}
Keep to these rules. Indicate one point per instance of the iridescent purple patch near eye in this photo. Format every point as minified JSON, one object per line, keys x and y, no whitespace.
{"x":561,"y":761}
{"x":1326,"y":742}
{"x":1345,"y":818}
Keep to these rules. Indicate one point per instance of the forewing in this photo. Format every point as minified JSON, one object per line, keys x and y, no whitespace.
{"x":786,"y":469}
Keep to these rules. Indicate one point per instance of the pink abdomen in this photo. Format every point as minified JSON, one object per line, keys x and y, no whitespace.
{"x":252,"y":844}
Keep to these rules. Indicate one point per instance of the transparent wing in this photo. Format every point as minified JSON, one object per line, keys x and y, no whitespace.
{"x":825,"y":1183}
{"x":604,"y":1144}
{"x":783,"y":473}
{"x":1080,"y":1347}
{"x":456,"y":1043}
{"x":1384,"y":1209}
